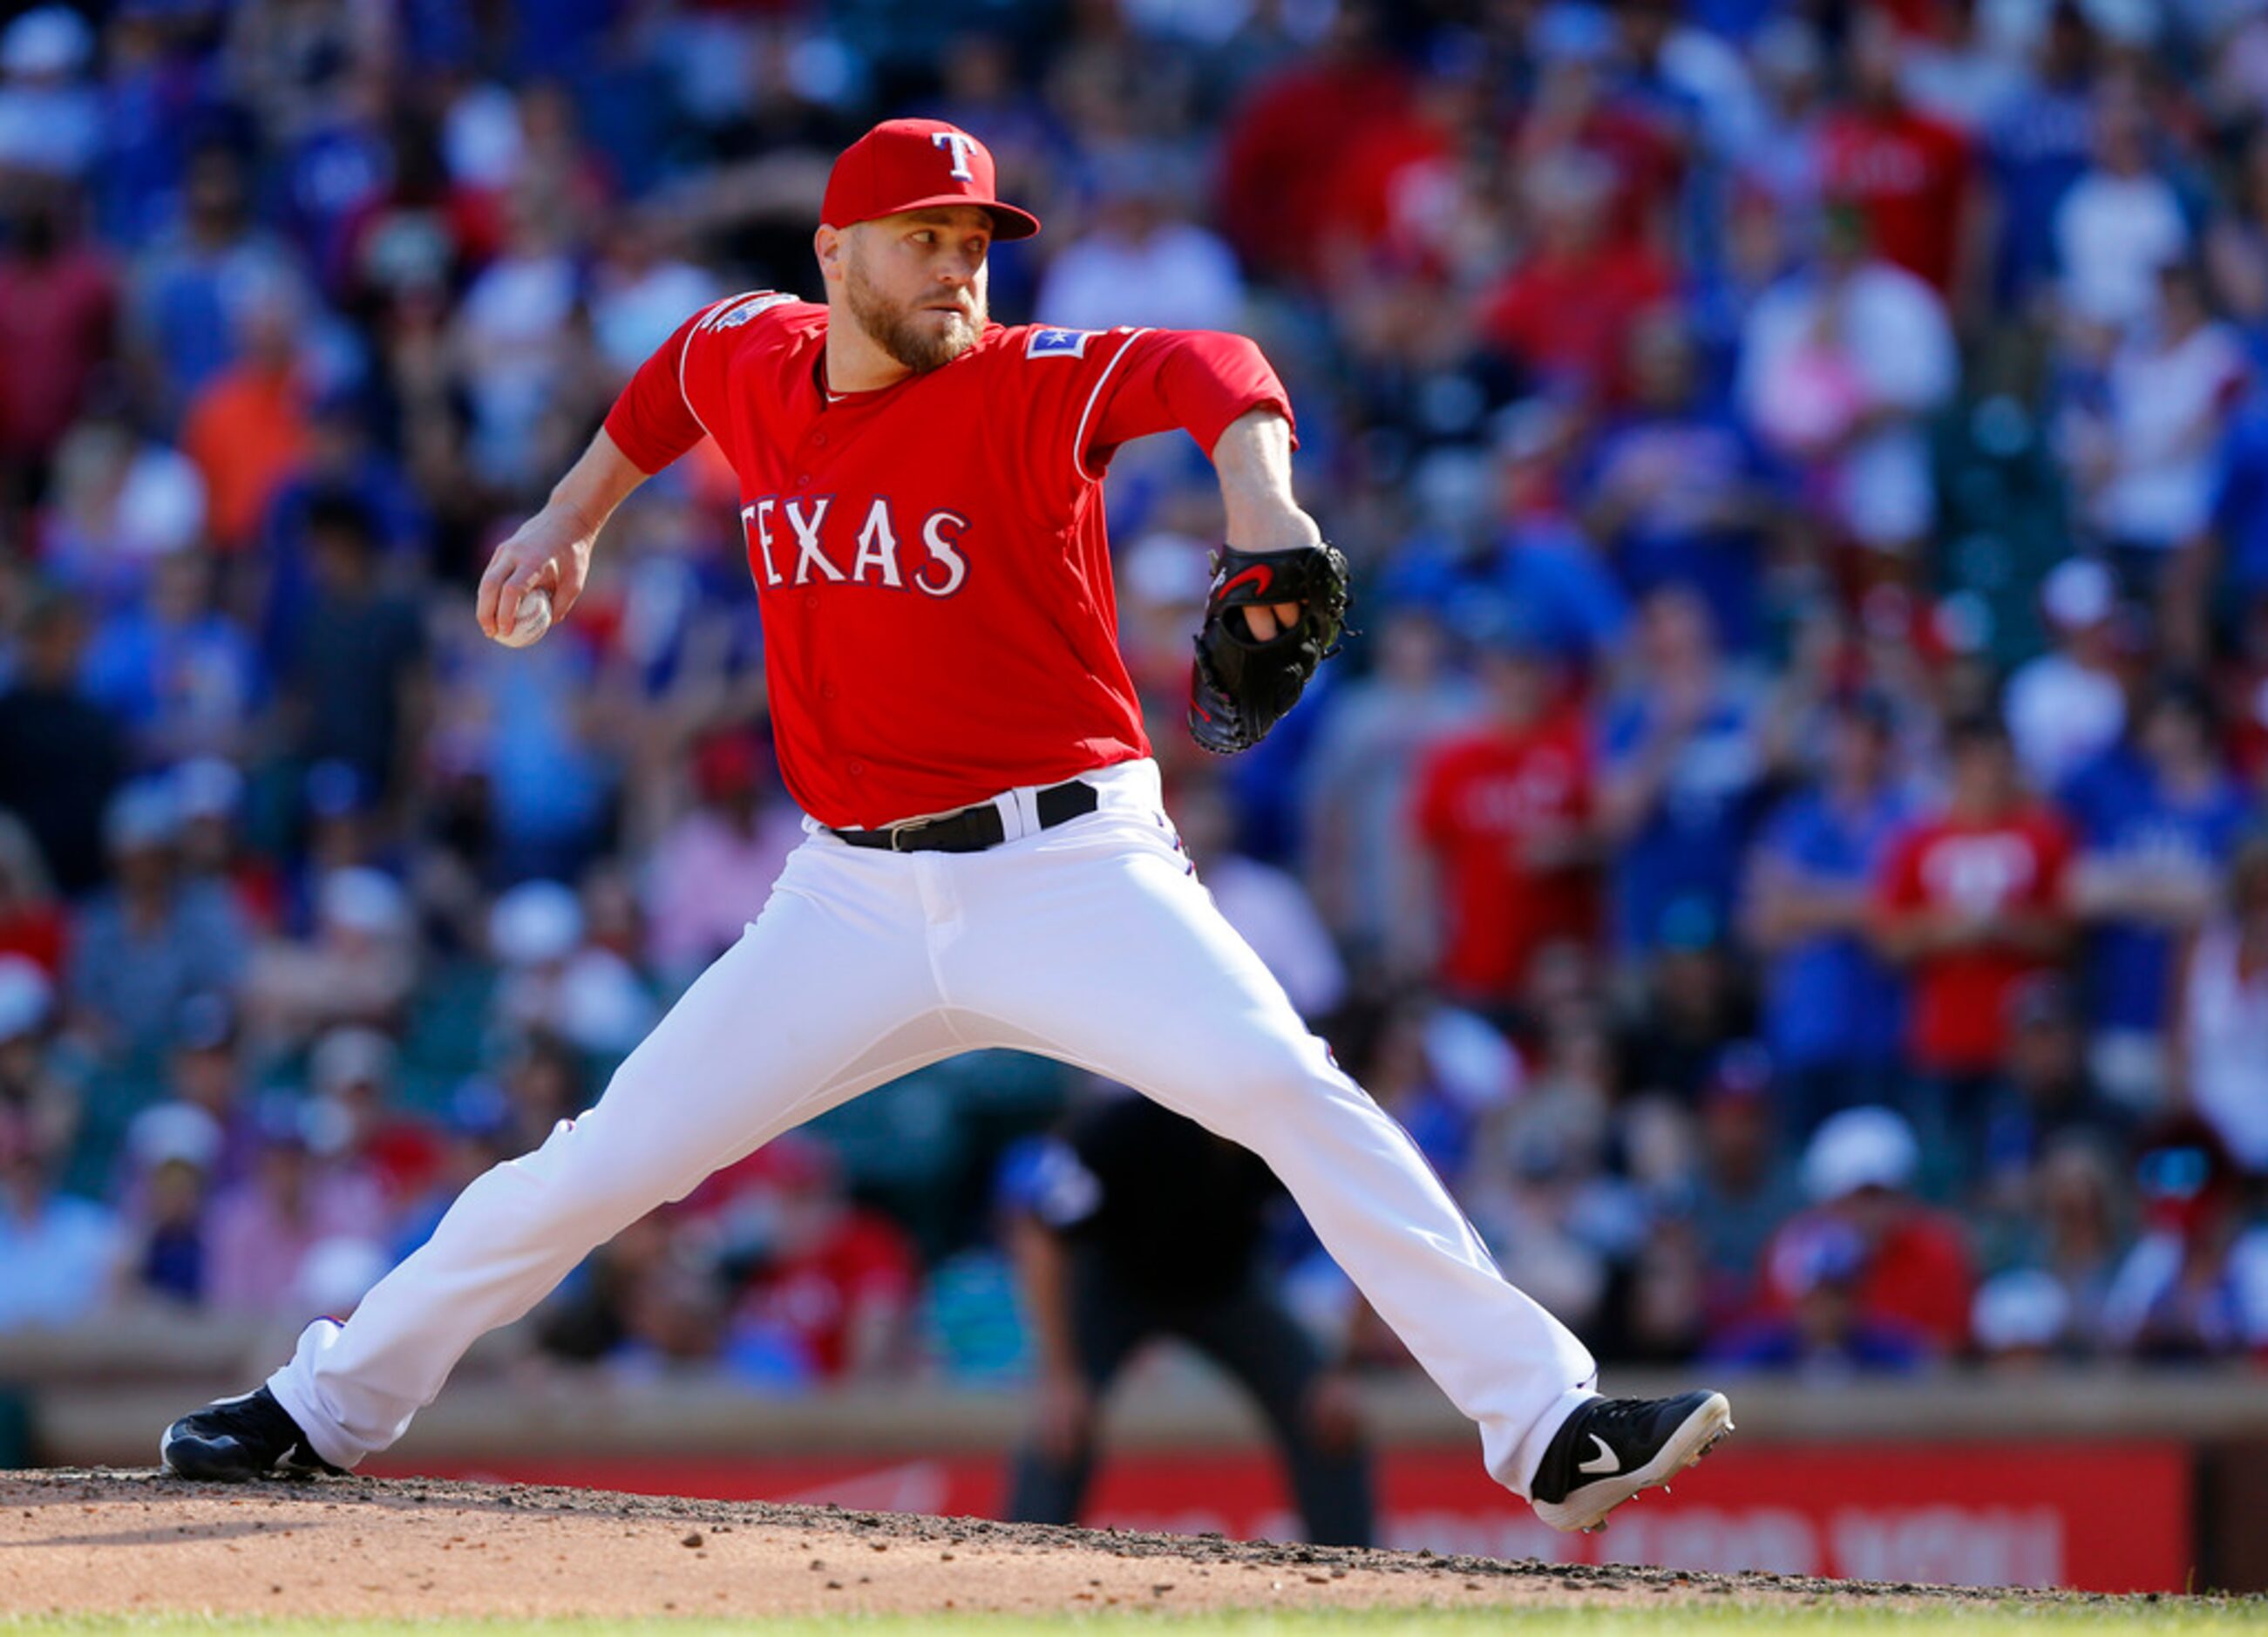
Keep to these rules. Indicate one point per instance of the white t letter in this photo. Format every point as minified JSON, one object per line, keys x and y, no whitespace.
{"x":758,"y":519}
{"x":960,"y":142}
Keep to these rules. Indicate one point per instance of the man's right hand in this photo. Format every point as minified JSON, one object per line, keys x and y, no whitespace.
{"x":552,"y":549}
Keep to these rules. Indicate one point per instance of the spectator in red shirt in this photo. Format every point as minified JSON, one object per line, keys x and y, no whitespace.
{"x":1282,"y":151}
{"x":1972,"y":901}
{"x":1396,"y":173}
{"x":1564,"y":313}
{"x":1913,"y":1277}
{"x":32,"y":923}
{"x":1907,"y":173}
{"x":833,"y":1293}
{"x":2194,"y":1285}
{"x":58,"y":324}
{"x":1591,"y":99}
{"x":1504,"y":816}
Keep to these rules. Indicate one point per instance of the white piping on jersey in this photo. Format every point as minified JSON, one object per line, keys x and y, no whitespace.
{"x":715,"y":307}
{"x":1078,"y":440}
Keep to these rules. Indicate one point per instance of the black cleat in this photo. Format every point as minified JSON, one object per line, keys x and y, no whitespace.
{"x":233,"y":1439}
{"x":1612,"y":1448}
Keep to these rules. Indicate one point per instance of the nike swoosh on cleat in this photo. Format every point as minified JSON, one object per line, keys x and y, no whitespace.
{"x":1603,"y":1463}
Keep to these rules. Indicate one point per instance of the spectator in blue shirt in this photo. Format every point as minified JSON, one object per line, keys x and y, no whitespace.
{"x":1675,"y":487}
{"x":341,"y":464}
{"x":175,"y":672}
{"x":1685,"y":757}
{"x":1833,"y":1014}
{"x":1543,"y":562}
{"x":180,"y":317}
{"x":2158,"y":818}
{"x":58,"y":1251}
{"x":2240,"y":511}
{"x":145,"y":945}
{"x":2039,"y":145}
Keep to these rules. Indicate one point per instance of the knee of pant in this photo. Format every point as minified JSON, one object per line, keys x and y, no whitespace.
{"x":576,"y":1178}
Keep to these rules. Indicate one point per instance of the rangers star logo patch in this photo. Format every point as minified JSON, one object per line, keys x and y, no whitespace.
{"x":1058,"y":344}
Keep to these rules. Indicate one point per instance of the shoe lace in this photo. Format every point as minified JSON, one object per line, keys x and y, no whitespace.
{"x":261,"y":1419}
{"x":1619,"y":1416}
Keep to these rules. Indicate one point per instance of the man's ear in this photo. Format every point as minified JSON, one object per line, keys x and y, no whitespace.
{"x":830,"y":245}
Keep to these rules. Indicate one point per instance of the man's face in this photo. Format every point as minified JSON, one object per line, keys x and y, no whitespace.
{"x":1984,"y":774}
{"x":2045,"y":1056}
{"x":2173,"y":735}
{"x":1518,"y":685}
{"x":915,"y":282}
{"x":1858,"y":750}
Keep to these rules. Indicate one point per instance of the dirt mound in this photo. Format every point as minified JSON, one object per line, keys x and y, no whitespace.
{"x":114,"y":1541}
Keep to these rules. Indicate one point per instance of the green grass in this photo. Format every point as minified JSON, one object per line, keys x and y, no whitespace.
{"x":2169,"y":1618}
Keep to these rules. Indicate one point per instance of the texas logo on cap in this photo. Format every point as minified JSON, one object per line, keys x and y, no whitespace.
{"x":917,"y":165}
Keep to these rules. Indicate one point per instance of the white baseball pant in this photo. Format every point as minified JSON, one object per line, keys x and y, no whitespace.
{"x":1090,"y":943}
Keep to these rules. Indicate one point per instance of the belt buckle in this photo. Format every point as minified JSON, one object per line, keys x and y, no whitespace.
{"x":902,"y":828}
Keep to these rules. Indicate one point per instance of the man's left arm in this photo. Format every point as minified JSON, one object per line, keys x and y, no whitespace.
{"x":1222,"y":391}
{"x":1253,"y":460}
{"x":1278,"y":600}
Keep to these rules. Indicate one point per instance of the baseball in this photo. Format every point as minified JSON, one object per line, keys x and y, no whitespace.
{"x":534,"y":619}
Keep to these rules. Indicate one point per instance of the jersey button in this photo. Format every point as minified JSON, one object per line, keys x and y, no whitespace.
{"x":826,"y":690}
{"x":802,"y":480}
{"x":855,"y":769}
{"x":820,"y":439}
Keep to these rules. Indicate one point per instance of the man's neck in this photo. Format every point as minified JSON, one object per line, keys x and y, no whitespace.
{"x":853,"y":362}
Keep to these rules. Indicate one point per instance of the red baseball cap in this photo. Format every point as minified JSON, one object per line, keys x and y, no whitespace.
{"x":917,"y":165}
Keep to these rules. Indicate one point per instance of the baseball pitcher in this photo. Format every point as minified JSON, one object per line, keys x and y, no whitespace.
{"x":987,"y":863}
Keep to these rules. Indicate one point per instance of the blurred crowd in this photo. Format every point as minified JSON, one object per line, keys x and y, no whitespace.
{"x":1786,"y":837}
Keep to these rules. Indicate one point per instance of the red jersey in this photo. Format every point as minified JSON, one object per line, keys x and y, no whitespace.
{"x":814,"y":1298}
{"x":1909,"y":174}
{"x":56,"y":317}
{"x":939,"y":623}
{"x":1480,"y":800}
{"x":1282,"y":153}
{"x":1917,"y":1276}
{"x":1570,"y":318}
{"x":1960,"y":996}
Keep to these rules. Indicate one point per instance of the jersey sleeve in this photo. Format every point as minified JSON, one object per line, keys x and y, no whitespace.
{"x":1197,"y":379}
{"x":651,"y":423}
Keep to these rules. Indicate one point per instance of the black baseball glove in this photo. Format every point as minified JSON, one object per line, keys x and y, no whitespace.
{"x":1239,"y":686}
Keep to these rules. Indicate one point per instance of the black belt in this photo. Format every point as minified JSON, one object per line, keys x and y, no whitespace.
{"x":972,"y":829}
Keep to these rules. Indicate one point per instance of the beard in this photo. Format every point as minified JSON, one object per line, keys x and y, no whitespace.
{"x":911,"y":336}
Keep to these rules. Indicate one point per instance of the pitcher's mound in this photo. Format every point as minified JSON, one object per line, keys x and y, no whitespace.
{"x":115,"y":1541}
